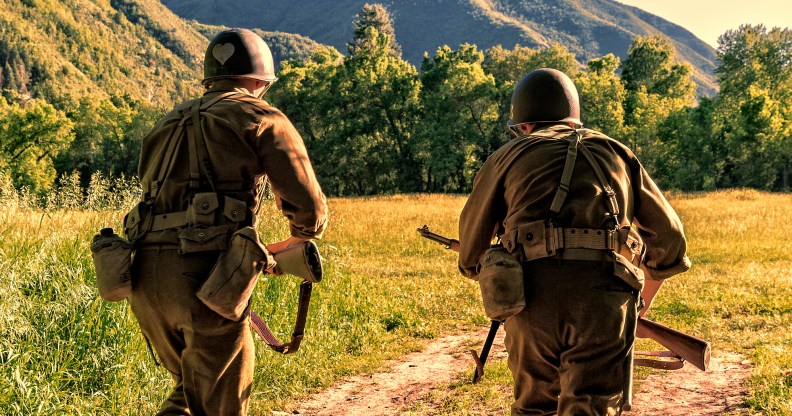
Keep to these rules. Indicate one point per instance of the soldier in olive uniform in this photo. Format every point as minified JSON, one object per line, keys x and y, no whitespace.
{"x":245,"y":143}
{"x":587,"y":230}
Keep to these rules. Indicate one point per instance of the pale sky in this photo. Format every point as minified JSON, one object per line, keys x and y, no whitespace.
{"x":708,"y":19}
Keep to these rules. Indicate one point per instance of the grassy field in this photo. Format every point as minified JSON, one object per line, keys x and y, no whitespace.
{"x":386,"y":292}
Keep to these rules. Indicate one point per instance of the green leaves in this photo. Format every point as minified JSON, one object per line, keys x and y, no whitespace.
{"x":31,"y":137}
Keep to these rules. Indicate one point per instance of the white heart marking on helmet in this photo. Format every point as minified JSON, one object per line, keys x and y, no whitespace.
{"x":223,"y":52}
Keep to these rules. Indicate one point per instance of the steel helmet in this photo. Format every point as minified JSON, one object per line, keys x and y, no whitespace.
{"x":238,"y":53}
{"x":545,"y":96}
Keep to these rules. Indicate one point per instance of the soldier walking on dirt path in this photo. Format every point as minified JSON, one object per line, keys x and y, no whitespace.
{"x":585,"y":230}
{"x":203,"y":167}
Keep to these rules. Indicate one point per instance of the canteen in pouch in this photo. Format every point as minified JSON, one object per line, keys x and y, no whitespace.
{"x":500,"y":278}
{"x":230,"y":284}
{"x":301,"y":260}
{"x":112,"y":257}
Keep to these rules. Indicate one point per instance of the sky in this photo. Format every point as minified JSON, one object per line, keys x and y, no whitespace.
{"x":708,"y":19}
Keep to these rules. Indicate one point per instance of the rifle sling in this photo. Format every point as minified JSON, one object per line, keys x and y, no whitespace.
{"x":268,"y":337}
{"x":672,"y":361}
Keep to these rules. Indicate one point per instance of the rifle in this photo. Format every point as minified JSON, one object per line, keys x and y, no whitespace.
{"x":681,"y":347}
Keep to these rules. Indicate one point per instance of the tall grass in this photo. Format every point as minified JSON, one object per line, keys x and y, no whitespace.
{"x":386,"y":292}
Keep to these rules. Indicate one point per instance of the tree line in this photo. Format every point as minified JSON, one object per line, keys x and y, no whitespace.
{"x":374,"y":123}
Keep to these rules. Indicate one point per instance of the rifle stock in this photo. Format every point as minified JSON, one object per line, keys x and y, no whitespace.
{"x":694,"y":350}
{"x":683,"y":346}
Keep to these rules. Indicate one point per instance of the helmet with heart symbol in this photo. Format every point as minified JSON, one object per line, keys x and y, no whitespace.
{"x":238,"y":53}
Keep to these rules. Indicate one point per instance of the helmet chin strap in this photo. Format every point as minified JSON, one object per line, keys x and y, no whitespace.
{"x":264,"y":90}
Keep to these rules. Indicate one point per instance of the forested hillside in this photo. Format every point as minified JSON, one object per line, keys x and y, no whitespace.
{"x":587,"y":28}
{"x":134,"y":48}
{"x":83,"y":80}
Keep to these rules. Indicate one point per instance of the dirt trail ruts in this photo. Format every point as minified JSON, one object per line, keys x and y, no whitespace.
{"x":683,"y":392}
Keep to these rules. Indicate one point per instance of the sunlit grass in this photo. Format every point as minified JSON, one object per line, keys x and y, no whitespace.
{"x":386,"y":292}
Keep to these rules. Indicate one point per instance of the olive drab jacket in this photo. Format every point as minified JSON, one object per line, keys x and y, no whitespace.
{"x":517,"y":184}
{"x":248,"y":141}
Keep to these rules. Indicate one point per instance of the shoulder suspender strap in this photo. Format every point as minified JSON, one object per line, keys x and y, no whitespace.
{"x":198,"y":145}
{"x":566,"y":176}
{"x":199,"y":154}
{"x":166,"y":161}
{"x":613,"y":206}
{"x":575,"y":142}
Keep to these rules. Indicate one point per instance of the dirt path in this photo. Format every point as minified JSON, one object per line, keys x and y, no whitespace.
{"x":683,"y":392}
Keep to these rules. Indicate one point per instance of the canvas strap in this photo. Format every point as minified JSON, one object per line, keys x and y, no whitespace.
{"x":269,"y":338}
{"x":575,"y":143}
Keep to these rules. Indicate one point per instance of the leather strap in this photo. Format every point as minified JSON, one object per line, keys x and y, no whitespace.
{"x":268,"y":337}
{"x":668,"y":360}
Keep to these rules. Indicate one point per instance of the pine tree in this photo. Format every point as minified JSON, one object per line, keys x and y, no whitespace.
{"x":373,"y":16}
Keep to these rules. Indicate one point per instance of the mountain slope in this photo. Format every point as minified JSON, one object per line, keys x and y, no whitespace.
{"x":123,"y":48}
{"x":589,"y":28}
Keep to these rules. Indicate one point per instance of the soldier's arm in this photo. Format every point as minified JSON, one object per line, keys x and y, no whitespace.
{"x":660,"y":228}
{"x":483,"y":212}
{"x":292,"y":177}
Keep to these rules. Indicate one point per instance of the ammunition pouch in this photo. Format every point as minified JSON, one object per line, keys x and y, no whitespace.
{"x":200,"y":239}
{"x":301,"y":260}
{"x":230,"y":284}
{"x":206,"y":224}
{"x":137,"y":221}
{"x":540,"y":239}
{"x":112,"y":257}
{"x":501,"y":281}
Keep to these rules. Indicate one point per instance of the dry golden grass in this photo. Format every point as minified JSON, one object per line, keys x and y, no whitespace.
{"x":386,"y":292}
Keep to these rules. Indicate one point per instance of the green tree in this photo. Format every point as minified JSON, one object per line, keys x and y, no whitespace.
{"x":508,"y":66}
{"x":693,"y":160}
{"x":380,"y":98}
{"x":31,"y":137}
{"x":108,"y":136}
{"x":754,"y":107}
{"x":460,"y":118}
{"x":376,"y":16}
{"x":602,"y":96}
{"x":357,"y":115}
{"x":656,"y":86}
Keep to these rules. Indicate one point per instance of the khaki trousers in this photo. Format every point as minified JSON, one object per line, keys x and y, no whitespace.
{"x":210,"y":358}
{"x":568,"y":347}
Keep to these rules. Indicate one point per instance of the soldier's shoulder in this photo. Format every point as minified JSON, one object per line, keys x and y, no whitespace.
{"x":598,"y":136}
{"x":261,"y":105}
